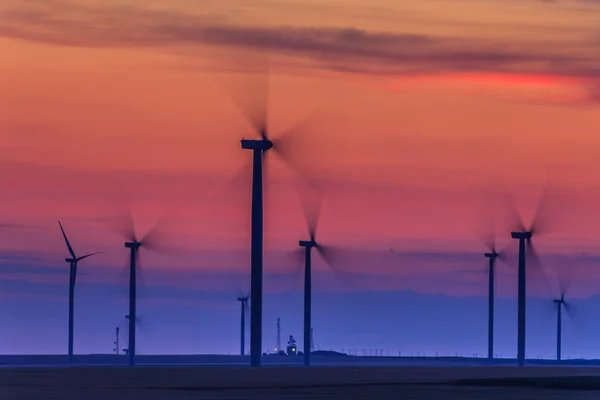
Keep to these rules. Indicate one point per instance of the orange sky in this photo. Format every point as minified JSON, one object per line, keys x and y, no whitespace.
{"x":426,"y":101}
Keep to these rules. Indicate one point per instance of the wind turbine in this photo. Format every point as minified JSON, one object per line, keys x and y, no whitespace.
{"x":244,"y":306}
{"x":134,"y":244}
{"x":560,"y":304}
{"x":524,"y":235}
{"x":492,"y":255}
{"x":256,"y":113}
{"x":312,"y":219}
{"x":73,"y":261}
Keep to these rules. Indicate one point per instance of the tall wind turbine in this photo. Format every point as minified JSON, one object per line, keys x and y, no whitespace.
{"x":73,"y":261}
{"x":256,"y":112}
{"x":244,"y":306}
{"x":524,"y":236}
{"x":134,"y":244}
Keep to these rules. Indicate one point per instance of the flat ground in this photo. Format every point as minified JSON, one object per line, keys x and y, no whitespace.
{"x":290,"y":382}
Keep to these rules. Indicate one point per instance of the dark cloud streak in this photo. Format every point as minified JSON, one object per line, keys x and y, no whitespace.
{"x":345,"y":50}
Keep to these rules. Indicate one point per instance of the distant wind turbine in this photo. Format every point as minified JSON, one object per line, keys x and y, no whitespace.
{"x":73,"y":262}
{"x":560,"y":304}
{"x":312,"y":213}
{"x":244,"y":307}
{"x":492,"y":255}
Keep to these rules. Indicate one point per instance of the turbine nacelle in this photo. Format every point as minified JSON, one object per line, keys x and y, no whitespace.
{"x":493,"y":254}
{"x":521,"y":235}
{"x":70,"y":260}
{"x":262,"y":144}
{"x":133,"y":245}
{"x":307,"y":243}
{"x":243,"y":299}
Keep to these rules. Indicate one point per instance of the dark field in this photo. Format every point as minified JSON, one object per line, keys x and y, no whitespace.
{"x":418,"y":381}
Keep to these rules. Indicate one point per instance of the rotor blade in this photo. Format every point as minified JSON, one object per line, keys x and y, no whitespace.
{"x":143,"y":328}
{"x":504,"y":252}
{"x":490,"y":243}
{"x":535,"y":268}
{"x":89,"y":255}
{"x":242,"y":289}
{"x":122,"y":288}
{"x":333,"y":258}
{"x":139,"y":271}
{"x":156,"y":238}
{"x":570,"y":309}
{"x":311,"y":201}
{"x":565,"y":277}
{"x":552,"y":210}
{"x":67,"y":241}
{"x":267,"y":198}
{"x":126,"y":227}
{"x":295,"y":260}
{"x":514,"y":217}
{"x":484,"y":219}
{"x":295,"y":146}
{"x":250,"y":92}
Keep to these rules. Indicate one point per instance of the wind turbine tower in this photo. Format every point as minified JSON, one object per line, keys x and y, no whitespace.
{"x":308,"y":245}
{"x":133,"y":246}
{"x":312,"y":343}
{"x":559,"y":303}
{"x":244,"y":305}
{"x":522,"y":294}
{"x":492,"y":257}
{"x":258,"y":147}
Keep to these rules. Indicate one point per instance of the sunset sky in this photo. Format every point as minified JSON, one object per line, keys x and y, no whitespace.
{"x":422,"y":117}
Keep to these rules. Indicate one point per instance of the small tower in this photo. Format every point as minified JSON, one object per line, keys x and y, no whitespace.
{"x":278,"y":349}
{"x":312,"y":343}
{"x":117,"y":342}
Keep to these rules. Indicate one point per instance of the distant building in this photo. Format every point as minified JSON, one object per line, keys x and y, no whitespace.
{"x":291,"y":346}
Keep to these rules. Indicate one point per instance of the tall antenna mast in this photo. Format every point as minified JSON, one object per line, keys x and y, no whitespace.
{"x":312,"y":343}
{"x":117,"y":341}
{"x":278,"y":335}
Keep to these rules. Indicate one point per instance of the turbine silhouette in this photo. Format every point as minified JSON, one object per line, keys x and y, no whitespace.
{"x":73,"y":262}
{"x":564,"y":283}
{"x":312,"y":211}
{"x":526,"y":248}
{"x":134,"y":244}
{"x":244,"y":307}
{"x":256,"y":113}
